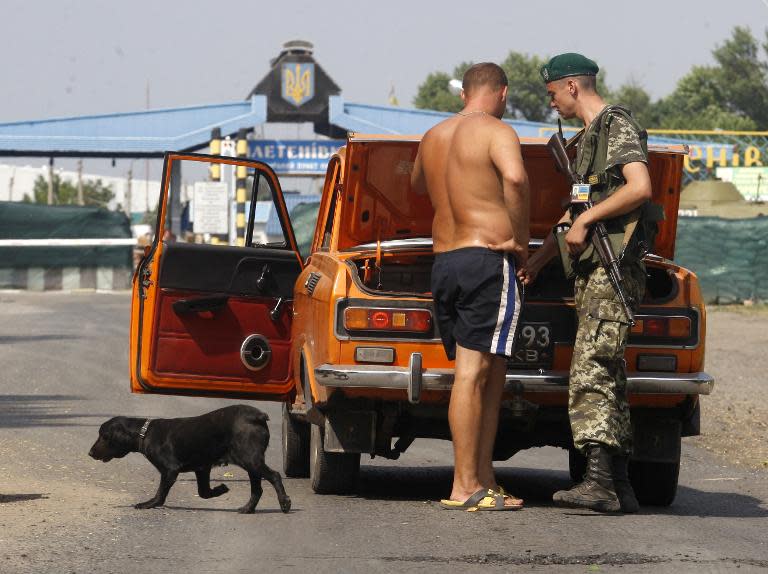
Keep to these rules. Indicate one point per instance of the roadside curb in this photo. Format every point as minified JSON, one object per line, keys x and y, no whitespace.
{"x":65,"y":278}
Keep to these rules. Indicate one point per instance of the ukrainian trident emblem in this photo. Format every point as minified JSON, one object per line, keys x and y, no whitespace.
{"x":298,"y":82}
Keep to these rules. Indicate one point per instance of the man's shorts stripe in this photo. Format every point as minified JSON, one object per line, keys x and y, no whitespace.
{"x":509,"y":311}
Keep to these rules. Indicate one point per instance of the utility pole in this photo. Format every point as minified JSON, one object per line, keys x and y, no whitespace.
{"x":146,"y":166}
{"x":128,"y":193}
{"x":10,"y":184}
{"x":50,"y":180}
{"x":80,"y":198}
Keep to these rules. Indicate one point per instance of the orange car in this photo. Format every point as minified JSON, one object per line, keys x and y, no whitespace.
{"x":343,"y":333}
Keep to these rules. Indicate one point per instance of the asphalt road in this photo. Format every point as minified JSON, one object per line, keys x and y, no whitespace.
{"x":63,"y":371}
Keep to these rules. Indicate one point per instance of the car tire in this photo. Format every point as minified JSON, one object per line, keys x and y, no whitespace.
{"x":577,"y":465}
{"x":295,"y":446}
{"x":655,"y":483}
{"x":331,"y":472}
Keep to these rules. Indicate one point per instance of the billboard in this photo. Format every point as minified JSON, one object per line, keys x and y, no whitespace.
{"x":294,"y":157}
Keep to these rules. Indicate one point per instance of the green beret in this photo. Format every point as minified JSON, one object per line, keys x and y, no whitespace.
{"x":565,"y":65}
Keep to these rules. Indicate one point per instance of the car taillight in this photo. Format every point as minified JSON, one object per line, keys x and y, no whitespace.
{"x":674,"y":327}
{"x":376,"y":319}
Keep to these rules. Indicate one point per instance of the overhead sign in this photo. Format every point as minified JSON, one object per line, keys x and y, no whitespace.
{"x":306,"y":157}
{"x":211,"y":200}
{"x":752,"y":182}
{"x":704,"y":156}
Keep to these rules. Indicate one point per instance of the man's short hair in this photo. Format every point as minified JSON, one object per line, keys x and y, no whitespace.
{"x":484,"y":74}
{"x":587,"y":82}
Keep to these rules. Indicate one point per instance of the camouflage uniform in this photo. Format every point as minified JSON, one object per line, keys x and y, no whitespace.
{"x":597,"y":402}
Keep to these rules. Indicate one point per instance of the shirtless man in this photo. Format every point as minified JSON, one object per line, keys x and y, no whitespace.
{"x":471,"y":166}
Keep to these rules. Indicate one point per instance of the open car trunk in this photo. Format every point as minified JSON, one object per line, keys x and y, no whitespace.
{"x":391,"y":224}
{"x":379,"y":205}
{"x":409,"y":273}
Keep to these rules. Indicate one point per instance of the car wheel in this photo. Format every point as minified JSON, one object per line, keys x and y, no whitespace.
{"x":331,"y":472}
{"x":655,"y":483}
{"x":577,"y":465}
{"x":295,"y":446}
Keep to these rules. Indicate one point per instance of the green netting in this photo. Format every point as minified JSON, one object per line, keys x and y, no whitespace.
{"x":730,"y":256}
{"x":35,"y":221}
{"x":303,"y":220}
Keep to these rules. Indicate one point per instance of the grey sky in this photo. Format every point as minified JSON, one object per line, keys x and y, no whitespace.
{"x":67,"y":57}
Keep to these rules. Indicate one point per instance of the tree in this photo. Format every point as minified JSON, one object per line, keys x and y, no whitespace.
{"x":732,"y":95}
{"x":527,"y":96}
{"x":433,"y":94}
{"x":699,"y":102}
{"x":633,"y":96}
{"x":743,"y":77}
{"x":65,"y":193}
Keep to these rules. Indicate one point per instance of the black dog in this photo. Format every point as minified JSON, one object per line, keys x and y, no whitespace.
{"x":232,"y":435}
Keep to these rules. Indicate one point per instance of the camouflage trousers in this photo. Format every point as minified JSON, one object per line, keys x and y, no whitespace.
{"x":597,"y":397}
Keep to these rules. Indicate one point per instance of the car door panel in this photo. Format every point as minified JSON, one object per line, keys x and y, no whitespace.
{"x":208,"y":343}
{"x":196,"y":306}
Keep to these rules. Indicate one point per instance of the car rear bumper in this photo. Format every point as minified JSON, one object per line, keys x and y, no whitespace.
{"x":414,"y":380}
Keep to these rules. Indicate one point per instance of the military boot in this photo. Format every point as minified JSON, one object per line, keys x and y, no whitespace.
{"x":596,"y":491}
{"x":622,"y":485}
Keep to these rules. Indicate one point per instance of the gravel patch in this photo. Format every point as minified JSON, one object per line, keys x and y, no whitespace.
{"x":734,"y":421}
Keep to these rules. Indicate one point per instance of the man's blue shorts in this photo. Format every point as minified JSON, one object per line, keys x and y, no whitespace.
{"x":477,"y":299}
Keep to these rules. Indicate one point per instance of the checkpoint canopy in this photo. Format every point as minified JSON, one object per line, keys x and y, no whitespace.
{"x":295,"y":89}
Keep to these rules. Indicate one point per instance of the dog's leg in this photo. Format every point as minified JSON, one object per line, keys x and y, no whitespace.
{"x":256,"y":492}
{"x":167,"y":479}
{"x":273,"y":477}
{"x":204,"y":489}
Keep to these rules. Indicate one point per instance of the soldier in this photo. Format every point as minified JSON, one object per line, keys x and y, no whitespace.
{"x":611,"y":155}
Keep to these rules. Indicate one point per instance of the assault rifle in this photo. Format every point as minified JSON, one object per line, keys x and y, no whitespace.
{"x":580,"y":202}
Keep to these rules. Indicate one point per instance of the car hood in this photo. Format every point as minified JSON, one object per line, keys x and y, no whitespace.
{"x":379,"y":204}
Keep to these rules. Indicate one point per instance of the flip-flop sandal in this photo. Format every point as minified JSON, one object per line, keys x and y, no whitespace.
{"x":506,"y":494}
{"x":483,"y":500}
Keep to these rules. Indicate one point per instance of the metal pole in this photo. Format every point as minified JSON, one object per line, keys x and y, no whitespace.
{"x":129,"y":193}
{"x":215,"y":146}
{"x":240,"y":181}
{"x":80,"y":198}
{"x":146,"y":167}
{"x":50,"y":181}
{"x":10,"y":184}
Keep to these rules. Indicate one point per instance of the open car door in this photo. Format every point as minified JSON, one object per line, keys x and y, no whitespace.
{"x":209,"y":318}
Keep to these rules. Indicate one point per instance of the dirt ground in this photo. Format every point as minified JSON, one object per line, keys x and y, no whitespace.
{"x":735,"y":416}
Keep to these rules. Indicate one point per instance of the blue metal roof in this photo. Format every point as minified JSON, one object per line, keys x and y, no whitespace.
{"x":145,"y":133}
{"x":151,"y":133}
{"x":367,"y":119}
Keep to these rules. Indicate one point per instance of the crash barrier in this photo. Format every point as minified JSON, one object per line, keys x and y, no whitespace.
{"x":730,"y":256}
{"x":66,"y":247}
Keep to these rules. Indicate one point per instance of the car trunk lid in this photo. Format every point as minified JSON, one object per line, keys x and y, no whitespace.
{"x":380,"y":205}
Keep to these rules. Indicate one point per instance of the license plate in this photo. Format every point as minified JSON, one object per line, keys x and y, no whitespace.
{"x":533,"y":348}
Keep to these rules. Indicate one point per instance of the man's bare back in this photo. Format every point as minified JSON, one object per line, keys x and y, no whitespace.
{"x":472,"y":168}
